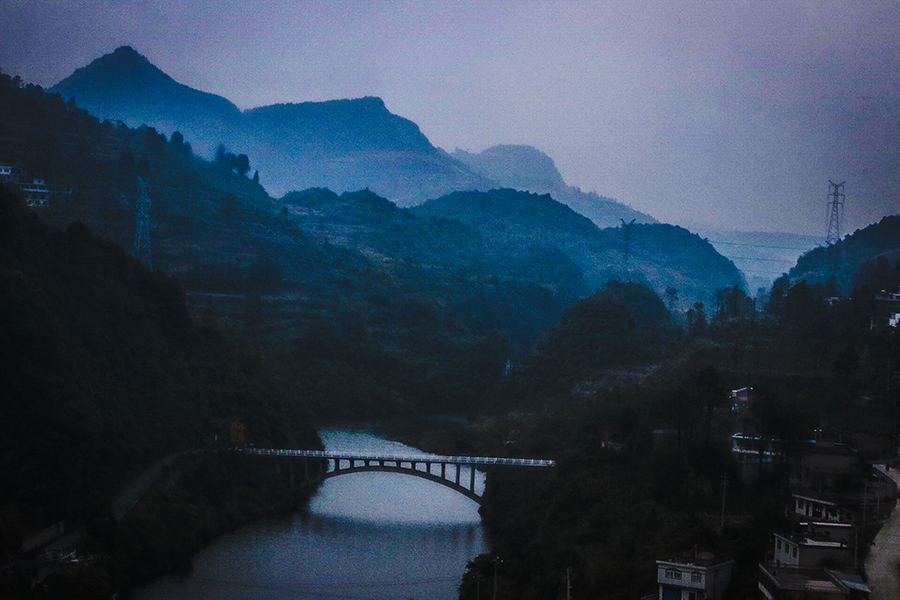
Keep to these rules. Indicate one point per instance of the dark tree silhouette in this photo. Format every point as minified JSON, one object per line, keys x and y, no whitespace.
{"x":242,"y":164}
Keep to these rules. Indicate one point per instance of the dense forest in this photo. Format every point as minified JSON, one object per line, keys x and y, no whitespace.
{"x":662,"y":256}
{"x":390,"y":332}
{"x":106,"y":372}
{"x":842,"y":265}
{"x":632,"y":402}
{"x":346,"y":288}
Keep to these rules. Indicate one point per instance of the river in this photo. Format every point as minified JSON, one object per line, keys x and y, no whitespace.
{"x":363,"y":536}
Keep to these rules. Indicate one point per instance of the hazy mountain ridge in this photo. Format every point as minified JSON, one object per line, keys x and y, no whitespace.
{"x":515,"y":166}
{"x":344,"y":145}
{"x":509,"y":212}
{"x":358,"y":125}
{"x":125,"y":86}
{"x":662,"y":255}
{"x":527,"y":168}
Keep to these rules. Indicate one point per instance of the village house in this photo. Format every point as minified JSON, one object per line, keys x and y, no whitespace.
{"x":698,"y":576}
{"x":887,"y":310}
{"x":36,"y":192}
{"x":810,"y":550}
{"x":797,"y":583}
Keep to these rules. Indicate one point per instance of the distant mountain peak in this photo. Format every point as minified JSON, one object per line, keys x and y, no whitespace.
{"x":341,"y":105}
{"x":127,"y":51}
{"x":125,"y":85}
{"x":123,"y":66}
{"x":527,"y":168}
{"x":515,"y":166}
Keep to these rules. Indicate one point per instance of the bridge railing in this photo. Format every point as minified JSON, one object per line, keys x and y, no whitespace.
{"x":432,"y":458}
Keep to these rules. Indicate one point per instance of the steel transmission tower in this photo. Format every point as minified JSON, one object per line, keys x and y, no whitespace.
{"x":835,"y":212}
{"x":141,"y":248}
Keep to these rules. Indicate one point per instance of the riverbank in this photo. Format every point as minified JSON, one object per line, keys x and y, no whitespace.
{"x":369,"y":535}
{"x":194,"y":499}
{"x":186,"y":502}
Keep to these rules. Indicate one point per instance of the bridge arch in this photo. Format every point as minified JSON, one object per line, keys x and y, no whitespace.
{"x":468,"y":492}
{"x":454,"y":472}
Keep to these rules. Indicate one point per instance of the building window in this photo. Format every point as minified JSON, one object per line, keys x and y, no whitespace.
{"x":692,"y":596}
{"x":778,"y":543}
{"x":696,"y":577}
{"x":795,"y":552}
{"x":673,"y":574}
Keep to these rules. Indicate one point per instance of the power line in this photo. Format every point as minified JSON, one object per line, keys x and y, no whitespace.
{"x":761,"y":246}
{"x":766,"y":272}
{"x":781,"y":260}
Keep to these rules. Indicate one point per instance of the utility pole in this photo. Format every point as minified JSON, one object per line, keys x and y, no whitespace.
{"x":724,"y":487}
{"x":141,"y":248}
{"x":835,"y":212}
{"x":568,"y":583}
{"x":497,"y":561}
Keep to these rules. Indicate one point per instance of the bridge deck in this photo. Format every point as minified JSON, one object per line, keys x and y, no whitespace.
{"x":457,"y":460}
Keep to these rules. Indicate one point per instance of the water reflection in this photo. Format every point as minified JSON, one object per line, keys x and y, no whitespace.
{"x":364,"y":536}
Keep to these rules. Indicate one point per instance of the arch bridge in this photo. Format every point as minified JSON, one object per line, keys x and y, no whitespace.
{"x":454,"y":472}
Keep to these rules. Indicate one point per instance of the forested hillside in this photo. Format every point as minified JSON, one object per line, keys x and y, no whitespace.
{"x":105,"y":371}
{"x":663,"y":256}
{"x":845,"y":259}
{"x":607,"y":339}
{"x":636,"y":411}
{"x":528,"y":169}
{"x":369,"y":324}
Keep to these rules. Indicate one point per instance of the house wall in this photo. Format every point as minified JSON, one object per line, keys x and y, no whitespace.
{"x":785,"y":552}
{"x":814,"y":556}
{"x":712,"y":581}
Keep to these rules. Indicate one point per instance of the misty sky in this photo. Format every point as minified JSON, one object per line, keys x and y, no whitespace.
{"x":732,"y":113}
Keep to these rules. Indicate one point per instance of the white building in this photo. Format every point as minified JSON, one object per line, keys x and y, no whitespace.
{"x":820,"y":510}
{"x":887,"y":309}
{"x":700,"y":577}
{"x":809,"y":551}
{"x":35,"y":191}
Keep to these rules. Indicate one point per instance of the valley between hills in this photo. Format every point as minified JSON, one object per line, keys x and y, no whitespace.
{"x":315,"y":261}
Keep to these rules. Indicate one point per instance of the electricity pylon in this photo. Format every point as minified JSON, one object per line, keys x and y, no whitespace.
{"x":835,"y":212}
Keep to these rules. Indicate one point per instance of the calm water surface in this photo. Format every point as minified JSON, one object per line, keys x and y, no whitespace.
{"x":365,"y":536}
